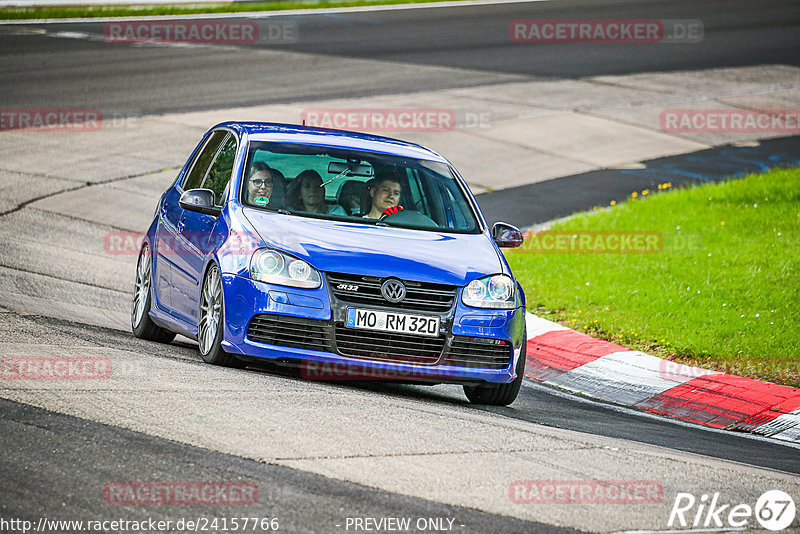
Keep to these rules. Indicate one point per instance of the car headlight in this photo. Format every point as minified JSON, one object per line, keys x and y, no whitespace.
{"x":490,"y":292}
{"x":278,"y":268}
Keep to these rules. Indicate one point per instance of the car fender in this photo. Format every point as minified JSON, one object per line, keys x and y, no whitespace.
{"x":236,"y":240}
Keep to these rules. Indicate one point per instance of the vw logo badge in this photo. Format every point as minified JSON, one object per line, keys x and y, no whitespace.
{"x":393,"y":290}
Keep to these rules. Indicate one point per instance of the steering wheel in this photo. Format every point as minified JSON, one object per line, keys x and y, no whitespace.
{"x":399,"y":215}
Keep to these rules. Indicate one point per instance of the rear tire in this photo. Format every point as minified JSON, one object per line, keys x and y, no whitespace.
{"x":211,"y":324}
{"x":142,"y":325}
{"x":500,"y":394}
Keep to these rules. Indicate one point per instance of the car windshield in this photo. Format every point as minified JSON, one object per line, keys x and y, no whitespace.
{"x":364,"y":187}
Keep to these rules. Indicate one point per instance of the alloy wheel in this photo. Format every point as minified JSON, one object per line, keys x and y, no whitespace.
{"x":142,"y":288}
{"x":210,"y":308}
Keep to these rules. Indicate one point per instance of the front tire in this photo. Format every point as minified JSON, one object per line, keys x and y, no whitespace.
{"x":212,"y":322}
{"x":500,"y":394}
{"x":142,"y":325}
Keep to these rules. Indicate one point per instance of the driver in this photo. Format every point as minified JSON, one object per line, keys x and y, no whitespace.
{"x":385,"y":194}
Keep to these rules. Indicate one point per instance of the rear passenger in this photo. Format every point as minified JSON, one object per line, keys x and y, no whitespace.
{"x":354,"y":197}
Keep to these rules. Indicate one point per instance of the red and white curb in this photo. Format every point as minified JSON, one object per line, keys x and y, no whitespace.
{"x":577,"y":362}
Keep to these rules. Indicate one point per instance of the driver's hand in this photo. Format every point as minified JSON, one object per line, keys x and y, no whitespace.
{"x":392,"y":210}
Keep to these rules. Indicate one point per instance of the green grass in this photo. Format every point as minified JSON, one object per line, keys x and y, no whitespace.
{"x":60,"y":12}
{"x":724,"y":293}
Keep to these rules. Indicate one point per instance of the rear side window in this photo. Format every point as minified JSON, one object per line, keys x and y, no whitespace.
{"x":220,"y":172}
{"x":204,"y":159}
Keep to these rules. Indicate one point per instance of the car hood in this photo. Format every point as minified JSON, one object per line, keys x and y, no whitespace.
{"x":344,"y":247}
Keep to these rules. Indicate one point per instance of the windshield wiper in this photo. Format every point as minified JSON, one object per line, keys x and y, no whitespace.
{"x":283,"y":211}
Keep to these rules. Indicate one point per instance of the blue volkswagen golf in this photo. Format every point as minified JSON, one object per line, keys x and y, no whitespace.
{"x":353,"y":256}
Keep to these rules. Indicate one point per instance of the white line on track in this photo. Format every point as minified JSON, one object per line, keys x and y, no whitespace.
{"x":268,"y":14}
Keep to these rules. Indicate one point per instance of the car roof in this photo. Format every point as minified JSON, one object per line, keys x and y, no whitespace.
{"x":293,"y":133}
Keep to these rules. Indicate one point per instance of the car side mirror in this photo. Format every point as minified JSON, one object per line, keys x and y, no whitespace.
{"x":201,"y":201}
{"x":507,"y":235}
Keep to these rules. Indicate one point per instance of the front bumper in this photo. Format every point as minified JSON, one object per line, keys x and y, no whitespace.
{"x":324,"y":313}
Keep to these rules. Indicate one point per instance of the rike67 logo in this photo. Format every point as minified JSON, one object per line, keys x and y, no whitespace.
{"x":774,"y":510}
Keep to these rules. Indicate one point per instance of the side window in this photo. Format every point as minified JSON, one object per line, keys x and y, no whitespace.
{"x":458,"y":215}
{"x":203,"y":160}
{"x":220,"y":172}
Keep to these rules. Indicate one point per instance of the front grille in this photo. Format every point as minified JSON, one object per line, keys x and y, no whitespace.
{"x":388,"y":346}
{"x":420,"y":296}
{"x":287,"y":331}
{"x":478,"y":352}
{"x":312,"y":334}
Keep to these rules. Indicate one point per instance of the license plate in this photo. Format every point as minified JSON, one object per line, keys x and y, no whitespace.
{"x":392,"y":322}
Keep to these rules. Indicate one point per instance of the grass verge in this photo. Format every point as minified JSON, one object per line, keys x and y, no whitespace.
{"x":719,"y":287}
{"x":65,"y":12}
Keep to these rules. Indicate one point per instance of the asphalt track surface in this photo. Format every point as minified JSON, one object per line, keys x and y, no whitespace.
{"x":538,"y":203}
{"x":419,"y":49}
{"x":85,"y":453}
{"x":459,"y":47}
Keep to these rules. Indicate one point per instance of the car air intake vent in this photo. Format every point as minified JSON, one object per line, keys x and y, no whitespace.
{"x":287,"y":331}
{"x":388,"y":346}
{"x":478,"y":352}
{"x":420,"y":296}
